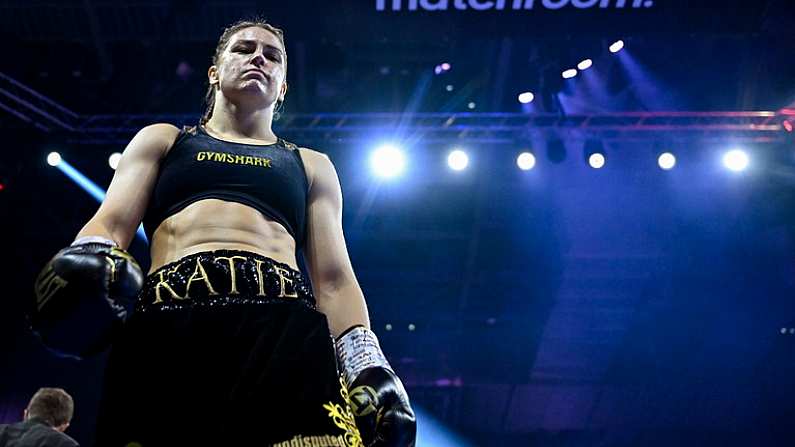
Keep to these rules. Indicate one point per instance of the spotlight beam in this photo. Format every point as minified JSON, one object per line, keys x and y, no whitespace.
{"x":432,"y":432}
{"x":91,"y":188}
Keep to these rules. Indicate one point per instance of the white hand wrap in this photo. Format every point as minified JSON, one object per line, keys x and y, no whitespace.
{"x":358,"y":350}
{"x":93,"y":240}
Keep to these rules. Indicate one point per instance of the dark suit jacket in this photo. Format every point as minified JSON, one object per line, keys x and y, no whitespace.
{"x":33,"y":433}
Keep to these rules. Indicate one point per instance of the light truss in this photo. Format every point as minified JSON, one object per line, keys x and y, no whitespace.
{"x":48,"y":116}
{"x":499,"y":128}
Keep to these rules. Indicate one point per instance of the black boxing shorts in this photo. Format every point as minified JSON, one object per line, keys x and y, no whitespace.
{"x":224,"y":348}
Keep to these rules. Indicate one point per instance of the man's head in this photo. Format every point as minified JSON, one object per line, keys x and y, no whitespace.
{"x":52,"y":405}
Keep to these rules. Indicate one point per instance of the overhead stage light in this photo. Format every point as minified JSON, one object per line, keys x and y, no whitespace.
{"x":387,"y":161}
{"x":584,"y":65}
{"x":526,"y":161}
{"x":54,"y":159}
{"x":594,"y":153}
{"x":458,"y":160}
{"x":666,"y":160}
{"x":597,"y":160}
{"x":113,"y":160}
{"x":736,"y":160}
{"x":617,"y":46}
{"x":570,"y":73}
{"x":526,"y":97}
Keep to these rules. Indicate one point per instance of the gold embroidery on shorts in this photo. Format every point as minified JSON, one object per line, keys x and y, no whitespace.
{"x":260,"y":279}
{"x":319,"y":441}
{"x":343,"y":418}
{"x":164,"y":283}
{"x":231,"y":260}
{"x":202,"y":277}
{"x":282,"y":281}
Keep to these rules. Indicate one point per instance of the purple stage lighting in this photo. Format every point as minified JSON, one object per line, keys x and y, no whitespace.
{"x":445,"y":66}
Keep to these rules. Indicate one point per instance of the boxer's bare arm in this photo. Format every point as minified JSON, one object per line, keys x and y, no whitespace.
{"x":334,"y":283}
{"x":125,"y":203}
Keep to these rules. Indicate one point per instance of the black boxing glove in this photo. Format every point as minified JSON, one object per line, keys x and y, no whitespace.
{"x":83,"y":295}
{"x":378,"y":400}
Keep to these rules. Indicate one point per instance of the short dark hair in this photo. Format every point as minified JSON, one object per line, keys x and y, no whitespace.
{"x":54,"y":405}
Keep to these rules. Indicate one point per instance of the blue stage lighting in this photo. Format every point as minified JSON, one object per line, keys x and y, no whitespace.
{"x":53,"y":159}
{"x":736,"y":160}
{"x":526,"y":97}
{"x":387,"y":161}
{"x":666,"y":160}
{"x":584,"y":65}
{"x":594,"y":153}
{"x":617,"y":46}
{"x":570,"y":73}
{"x":596,"y":160}
{"x":458,"y":160}
{"x":90,"y":187}
{"x":433,"y":433}
{"x":526,"y":161}
{"x":113,"y":160}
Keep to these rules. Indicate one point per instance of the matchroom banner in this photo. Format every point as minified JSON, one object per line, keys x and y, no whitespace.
{"x":454,"y":19}
{"x":501,"y":5}
{"x":389,"y":20}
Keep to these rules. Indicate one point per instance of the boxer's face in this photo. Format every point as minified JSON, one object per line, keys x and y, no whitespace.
{"x":254,"y":64}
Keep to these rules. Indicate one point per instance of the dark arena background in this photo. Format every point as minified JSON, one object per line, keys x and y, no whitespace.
{"x":581,"y":295}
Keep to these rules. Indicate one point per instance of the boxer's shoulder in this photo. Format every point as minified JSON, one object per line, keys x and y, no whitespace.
{"x":154,"y":140}
{"x":315,"y":162}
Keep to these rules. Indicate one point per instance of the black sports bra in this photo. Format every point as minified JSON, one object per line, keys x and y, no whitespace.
{"x":269,"y":178}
